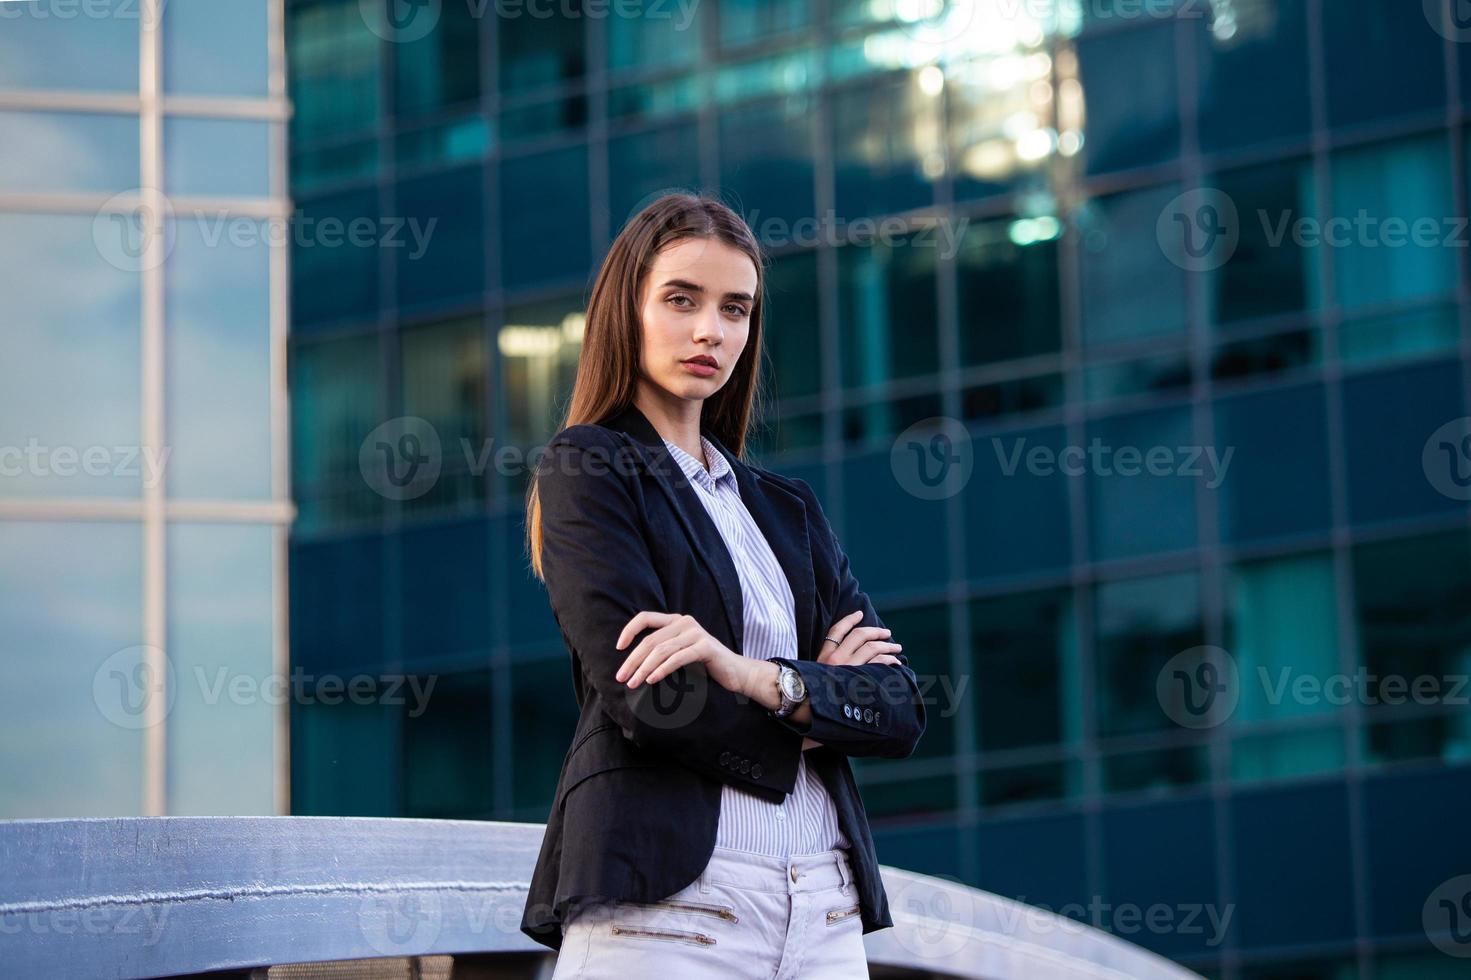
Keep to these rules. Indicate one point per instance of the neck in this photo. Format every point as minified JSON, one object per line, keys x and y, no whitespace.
{"x":675,"y":419}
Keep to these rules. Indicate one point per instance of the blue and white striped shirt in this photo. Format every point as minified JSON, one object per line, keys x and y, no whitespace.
{"x":806,"y":820}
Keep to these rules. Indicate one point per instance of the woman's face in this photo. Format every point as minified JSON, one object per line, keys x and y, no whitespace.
{"x":697,"y":304}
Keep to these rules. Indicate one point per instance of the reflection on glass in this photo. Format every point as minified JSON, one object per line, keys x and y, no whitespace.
{"x":1120,"y":379}
{"x":216,"y":157}
{"x":539,"y":346}
{"x":1267,"y":273}
{"x":1141,"y":483}
{"x":744,"y":21}
{"x":789,"y":327}
{"x":221,"y":634}
{"x":1264,"y":356}
{"x":538,"y":52}
{"x":1400,"y":335}
{"x":71,"y":736}
{"x":544,"y":719}
{"x":1140,"y":624}
{"x":1276,"y":484}
{"x":333,"y":68}
{"x":1007,"y":275}
{"x":1158,"y":770}
{"x":456,"y":141}
{"x":530,"y":252}
{"x":530,"y":121}
{"x":1024,"y":652}
{"x":328,"y":246}
{"x":1252,"y":72}
{"x":1000,"y":120}
{"x":441,"y":68}
{"x":439,"y":253}
{"x":1131,"y":88}
{"x":68,"y":152}
{"x":766,"y":163}
{"x":1001,"y":786}
{"x":213,"y":48}
{"x":1280,"y":755}
{"x":882,"y":420}
{"x":448,"y":750}
{"x":1280,"y":626}
{"x":888,"y":321}
{"x":649,"y":161}
{"x":886,"y":147}
{"x":72,"y":339}
{"x":1130,"y":288}
{"x":654,"y":100}
{"x":336,"y":401}
{"x":444,"y":383}
{"x":218,"y":399}
{"x":316,"y":166}
{"x":652,"y":35}
{"x":1382,"y":61}
{"x":41,"y":50}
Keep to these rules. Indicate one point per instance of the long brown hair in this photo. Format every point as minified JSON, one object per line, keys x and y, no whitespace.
{"x":608,"y":365}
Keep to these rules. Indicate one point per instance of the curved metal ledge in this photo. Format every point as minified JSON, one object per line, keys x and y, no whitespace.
{"x":171,"y":896}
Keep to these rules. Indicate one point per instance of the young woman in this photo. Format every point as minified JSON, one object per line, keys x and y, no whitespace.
{"x":725,"y":660}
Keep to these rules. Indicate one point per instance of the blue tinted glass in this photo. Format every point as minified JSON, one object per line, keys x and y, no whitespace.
{"x":1140,"y":624}
{"x":315,"y":167}
{"x":878,"y":422}
{"x":1269,"y":270}
{"x":887,"y":310}
{"x":217,"y":157}
{"x":1296,"y":887}
{"x":1131,"y":91}
{"x":1276,"y":483}
{"x":221,"y":638}
{"x":1185,"y":831}
{"x":335,"y":239}
{"x":69,"y":152}
{"x":789,"y":324}
{"x":645,"y":163}
{"x":337,"y":400}
{"x":442,"y":67}
{"x":455,"y":141}
{"x":1016,"y":504}
{"x":1006,"y":274}
{"x":1399,"y":336}
{"x":1252,"y":68}
{"x":72,"y":712}
{"x":214,"y":48}
{"x":544,"y":718}
{"x":1389,"y":417}
{"x":538,"y":51}
{"x":72,"y":321}
{"x":1141,"y":481}
{"x":1280,"y":625}
{"x":338,"y":754}
{"x":1119,"y":379}
{"x":444,"y":382}
{"x":532,"y":627}
{"x":652,"y":35}
{"x":993,"y":147}
{"x":89,"y":47}
{"x":1271,"y":756}
{"x":341,"y":581}
{"x":1156,"y":771}
{"x":879,"y":154}
{"x":1381,"y":60}
{"x":440,"y":249}
{"x":1130,"y":288}
{"x":743,"y":21}
{"x":766,"y":163}
{"x":217,"y":311}
{"x":333,"y":70}
{"x":1397,"y":200}
{"x":1024,"y":652}
{"x":874,"y":499}
{"x":447,"y":591}
{"x":1416,"y":838}
{"x":539,"y":345}
{"x":1040,"y":860}
{"x":449,"y":748}
{"x":539,"y":194}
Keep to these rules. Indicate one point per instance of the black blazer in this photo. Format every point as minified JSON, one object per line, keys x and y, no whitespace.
{"x":638,"y":800}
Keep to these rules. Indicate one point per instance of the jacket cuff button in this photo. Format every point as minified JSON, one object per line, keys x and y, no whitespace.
{"x":725,"y":758}
{"x":756,"y":771}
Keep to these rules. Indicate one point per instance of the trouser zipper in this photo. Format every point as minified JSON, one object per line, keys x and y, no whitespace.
{"x":838,"y":915}
{"x":697,"y":937}
{"x":699,"y":908}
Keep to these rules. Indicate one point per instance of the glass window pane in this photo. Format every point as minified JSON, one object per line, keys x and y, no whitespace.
{"x":313,"y":167}
{"x":218,"y":348}
{"x":338,"y":759}
{"x":538,"y":193}
{"x":329,"y":245}
{"x":539,"y":51}
{"x":1137,"y":376}
{"x":652,"y":35}
{"x":341,"y":579}
{"x":1252,"y":69}
{"x":72,"y":711}
{"x":1401,"y":252}
{"x":1024,"y":656}
{"x":544,"y":718}
{"x":1155,"y":770}
{"x":72,"y":320}
{"x":336,"y":401}
{"x":1029,"y":783}
{"x":744,"y":21}
{"x":1130,"y":289}
{"x":1284,"y":755}
{"x":766,"y":163}
{"x":444,"y":383}
{"x":445,"y":591}
{"x":333,"y":70}
{"x":68,"y":152}
{"x":531,"y":122}
{"x":1186,"y":831}
{"x":1381,"y":61}
{"x":885,"y":149}
{"x":1007,"y":277}
{"x":1016,"y":504}
{"x":1415,"y":838}
{"x":442,"y":143}
{"x":1269,"y":272}
{"x":439,"y":246}
{"x":1140,"y":624}
{"x":442,"y":67}
{"x":927,"y":628}
{"x":789,"y":324}
{"x":221,"y":638}
{"x":873,"y":498}
{"x":1276,"y":482}
{"x":888,"y":318}
{"x":999,"y":108}
{"x":216,"y":157}
{"x":1141,"y":482}
{"x":1131,"y":91}
{"x":448,"y":741}
{"x":213,"y":48}
{"x":878,"y":422}
{"x":87,"y":47}
{"x":1016,"y":396}
{"x":1274,"y":354}
{"x":1399,"y":336}
{"x":643,"y":163}
{"x":539,"y":345}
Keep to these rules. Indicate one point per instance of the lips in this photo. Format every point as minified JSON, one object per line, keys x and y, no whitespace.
{"x":704,"y":359}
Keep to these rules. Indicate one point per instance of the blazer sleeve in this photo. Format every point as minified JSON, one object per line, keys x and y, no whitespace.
{"x":864,"y":709}
{"x":599,"y":574}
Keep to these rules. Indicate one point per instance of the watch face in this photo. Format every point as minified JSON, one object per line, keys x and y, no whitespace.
{"x":791,"y":684}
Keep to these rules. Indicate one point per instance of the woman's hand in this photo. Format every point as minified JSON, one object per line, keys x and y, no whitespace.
{"x":858,"y":644}
{"x":677,"y":640}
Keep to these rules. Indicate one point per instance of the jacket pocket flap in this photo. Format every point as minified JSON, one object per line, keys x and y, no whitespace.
{"x":601,"y":749}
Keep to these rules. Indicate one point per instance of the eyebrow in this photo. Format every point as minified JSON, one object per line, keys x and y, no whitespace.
{"x":695,"y":288}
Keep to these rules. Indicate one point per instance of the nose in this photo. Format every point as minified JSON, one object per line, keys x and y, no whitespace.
{"x":708,"y":328}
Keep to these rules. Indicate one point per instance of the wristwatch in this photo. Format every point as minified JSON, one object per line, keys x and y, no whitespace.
{"x":793,"y":690}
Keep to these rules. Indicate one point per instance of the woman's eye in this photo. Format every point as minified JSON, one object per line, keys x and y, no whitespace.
{"x":737,"y":309}
{"x":680,"y":296}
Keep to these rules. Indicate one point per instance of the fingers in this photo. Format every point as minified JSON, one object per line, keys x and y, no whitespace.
{"x":641,"y":622}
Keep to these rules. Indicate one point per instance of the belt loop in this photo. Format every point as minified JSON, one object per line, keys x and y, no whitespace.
{"x":843,"y":869}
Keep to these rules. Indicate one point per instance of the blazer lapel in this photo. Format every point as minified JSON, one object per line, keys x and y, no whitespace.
{"x":778,"y":512}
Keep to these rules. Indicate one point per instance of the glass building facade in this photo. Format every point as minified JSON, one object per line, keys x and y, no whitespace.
{"x":1111,"y":224}
{"x":144,"y":495}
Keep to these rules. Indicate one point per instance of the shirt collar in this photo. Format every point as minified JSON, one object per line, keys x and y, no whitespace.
{"x":695,"y":470}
